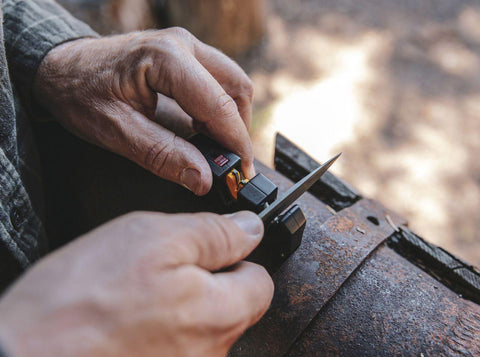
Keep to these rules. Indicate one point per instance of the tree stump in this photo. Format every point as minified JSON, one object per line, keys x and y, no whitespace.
{"x":114,"y":16}
{"x":233,"y":26}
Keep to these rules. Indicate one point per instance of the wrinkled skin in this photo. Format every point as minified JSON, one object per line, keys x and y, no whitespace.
{"x":107,"y":91}
{"x":145,"y":284}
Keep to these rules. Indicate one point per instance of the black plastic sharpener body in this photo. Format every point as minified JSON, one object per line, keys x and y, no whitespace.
{"x":284,"y":234}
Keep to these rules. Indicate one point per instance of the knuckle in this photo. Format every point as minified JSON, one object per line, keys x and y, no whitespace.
{"x":138,"y":219}
{"x":137,"y":224}
{"x":225,"y":106}
{"x":266,"y":282}
{"x":247,"y":89}
{"x":181,"y":32}
{"x":158,"y":155}
{"x":141,"y":45}
{"x":220,"y":233}
{"x":169,"y":44}
{"x":197,"y":284}
{"x":175,"y":37}
{"x":169,"y":54}
{"x":240,"y":85}
{"x":134,"y":216}
{"x":197,"y":278}
{"x":194,"y":289}
{"x":230,"y":312}
{"x":161,"y":43}
{"x":243,"y":91}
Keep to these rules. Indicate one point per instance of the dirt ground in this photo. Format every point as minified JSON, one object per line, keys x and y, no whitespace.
{"x":394,"y":85}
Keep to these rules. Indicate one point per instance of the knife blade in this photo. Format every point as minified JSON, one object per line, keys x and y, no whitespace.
{"x":295,"y":192}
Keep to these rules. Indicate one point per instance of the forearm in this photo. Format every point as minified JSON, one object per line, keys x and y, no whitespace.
{"x":31,"y":29}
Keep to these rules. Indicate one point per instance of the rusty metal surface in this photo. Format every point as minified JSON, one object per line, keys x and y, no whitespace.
{"x":389,"y":307}
{"x":330,"y":252}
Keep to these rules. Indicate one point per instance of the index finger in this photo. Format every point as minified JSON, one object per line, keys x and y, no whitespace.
{"x":203,"y":98}
{"x":230,"y":76}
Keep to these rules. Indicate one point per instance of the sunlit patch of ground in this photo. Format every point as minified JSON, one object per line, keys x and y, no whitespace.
{"x":396,"y":87}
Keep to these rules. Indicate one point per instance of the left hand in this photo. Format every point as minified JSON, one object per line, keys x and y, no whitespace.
{"x":106,"y":91}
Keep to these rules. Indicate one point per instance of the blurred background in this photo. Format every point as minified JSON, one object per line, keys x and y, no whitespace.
{"x":394,"y":84}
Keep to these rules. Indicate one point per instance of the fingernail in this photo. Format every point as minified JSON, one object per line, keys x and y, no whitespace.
{"x":250,"y":172}
{"x":190,"y":178}
{"x":248,"y":222}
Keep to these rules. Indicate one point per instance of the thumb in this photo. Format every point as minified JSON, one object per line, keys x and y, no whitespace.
{"x":213,"y":242}
{"x":167,"y":155}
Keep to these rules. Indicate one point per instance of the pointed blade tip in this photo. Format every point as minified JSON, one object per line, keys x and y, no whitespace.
{"x":332,"y":160}
{"x":317,"y":172}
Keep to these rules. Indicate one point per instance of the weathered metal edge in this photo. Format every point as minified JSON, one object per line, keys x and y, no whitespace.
{"x":459,"y":276}
{"x":292,"y":162}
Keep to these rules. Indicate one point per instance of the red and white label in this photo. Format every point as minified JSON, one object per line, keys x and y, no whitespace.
{"x":220,"y":160}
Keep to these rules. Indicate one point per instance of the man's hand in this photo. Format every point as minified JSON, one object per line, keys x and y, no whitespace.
{"x":106,"y":91}
{"x":145,"y":284}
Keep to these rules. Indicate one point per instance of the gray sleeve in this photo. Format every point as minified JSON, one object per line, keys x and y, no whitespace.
{"x":31,"y":29}
{"x":2,"y":352}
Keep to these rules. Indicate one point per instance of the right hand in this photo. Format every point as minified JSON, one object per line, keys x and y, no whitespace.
{"x":145,"y":284}
{"x":106,"y":91}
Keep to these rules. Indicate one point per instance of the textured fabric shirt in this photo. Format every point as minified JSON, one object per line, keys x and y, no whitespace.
{"x":30,"y":28}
